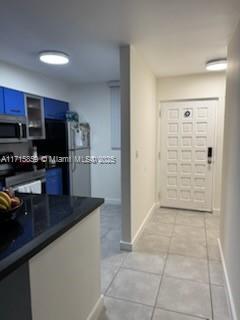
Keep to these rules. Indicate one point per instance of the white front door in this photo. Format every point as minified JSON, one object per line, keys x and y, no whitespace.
{"x":187,"y":150}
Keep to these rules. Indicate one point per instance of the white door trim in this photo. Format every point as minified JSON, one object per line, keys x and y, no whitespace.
{"x":216,"y":146}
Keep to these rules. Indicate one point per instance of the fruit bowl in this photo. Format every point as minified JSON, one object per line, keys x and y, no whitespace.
{"x":9,"y":205}
{"x":10,"y":214}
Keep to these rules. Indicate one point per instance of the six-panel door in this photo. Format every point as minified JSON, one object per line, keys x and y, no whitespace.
{"x":187,"y":131}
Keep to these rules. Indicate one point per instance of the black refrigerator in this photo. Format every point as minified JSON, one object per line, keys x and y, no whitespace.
{"x":56,"y":145}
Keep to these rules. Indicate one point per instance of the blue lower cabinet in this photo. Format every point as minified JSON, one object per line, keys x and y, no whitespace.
{"x":13,"y":102}
{"x":55,"y":109}
{"x":1,"y":101}
{"x":54,"y":183}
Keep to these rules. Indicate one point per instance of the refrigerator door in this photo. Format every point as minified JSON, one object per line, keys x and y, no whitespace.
{"x":80,"y":174}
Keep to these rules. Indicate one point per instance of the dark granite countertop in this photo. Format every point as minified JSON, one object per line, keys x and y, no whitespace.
{"x":40,"y":221}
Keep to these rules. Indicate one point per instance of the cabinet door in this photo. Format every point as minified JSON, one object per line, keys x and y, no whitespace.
{"x":62,"y":108}
{"x":55,"y":109}
{"x":1,"y":101}
{"x":14,"y":102}
{"x":54,"y":185}
{"x":34,"y":111}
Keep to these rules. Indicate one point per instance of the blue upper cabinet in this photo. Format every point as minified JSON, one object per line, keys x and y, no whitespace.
{"x":55,"y":109}
{"x":1,"y":101}
{"x":13,"y":102}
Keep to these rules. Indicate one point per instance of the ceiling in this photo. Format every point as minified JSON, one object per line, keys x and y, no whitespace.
{"x":174,"y":36}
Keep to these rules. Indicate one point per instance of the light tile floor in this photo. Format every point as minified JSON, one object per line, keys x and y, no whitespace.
{"x":174,"y":272}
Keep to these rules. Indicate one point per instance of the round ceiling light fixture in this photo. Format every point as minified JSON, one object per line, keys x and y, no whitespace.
{"x":54,"y":57}
{"x":217,"y":65}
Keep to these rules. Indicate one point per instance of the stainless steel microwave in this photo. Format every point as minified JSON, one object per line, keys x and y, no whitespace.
{"x":13,"y":129}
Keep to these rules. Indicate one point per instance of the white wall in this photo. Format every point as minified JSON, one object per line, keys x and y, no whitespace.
{"x":208,"y":85}
{"x":93,"y":103}
{"x":32,"y":82}
{"x":141,"y":137}
{"x":230,"y":224}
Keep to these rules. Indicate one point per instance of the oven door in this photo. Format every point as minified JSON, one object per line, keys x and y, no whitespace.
{"x":12,"y":129}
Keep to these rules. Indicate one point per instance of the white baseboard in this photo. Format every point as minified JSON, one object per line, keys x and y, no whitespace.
{"x":230,"y":300}
{"x":97,"y":310}
{"x":128,"y":246}
{"x":112,"y":201}
{"x":150,"y":212}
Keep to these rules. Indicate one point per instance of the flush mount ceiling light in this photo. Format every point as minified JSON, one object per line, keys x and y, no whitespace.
{"x":54,"y":57}
{"x":216,"y":65}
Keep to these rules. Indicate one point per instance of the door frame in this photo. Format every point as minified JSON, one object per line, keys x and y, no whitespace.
{"x":159,"y":143}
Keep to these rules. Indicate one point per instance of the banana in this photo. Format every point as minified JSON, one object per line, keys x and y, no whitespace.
{"x":3,"y":207}
{"x":5,"y":199}
{"x":4,"y":203}
{"x":5,"y":195}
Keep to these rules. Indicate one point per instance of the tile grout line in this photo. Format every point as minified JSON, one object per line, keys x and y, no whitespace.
{"x":152,"y":307}
{"x":187,"y":280}
{"x":118,"y":269}
{"x":168,"y":253}
{"x":163,"y":270}
{"x":130,"y":301}
{"x":166,"y":275}
{"x":183,"y":313}
{"x":142,"y":271}
{"x":117,"y":266}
